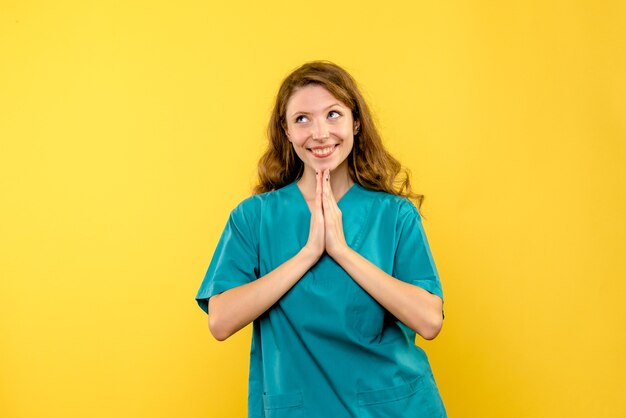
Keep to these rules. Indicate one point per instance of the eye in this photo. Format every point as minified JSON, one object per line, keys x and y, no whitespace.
{"x":334,"y":111}
{"x":298,"y":118}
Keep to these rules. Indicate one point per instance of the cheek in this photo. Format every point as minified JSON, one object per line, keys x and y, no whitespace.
{"x":348,"y":141}
{"x":298,"y":145}
{"x":297,"y":140}
{"x":346,"y":133}
{"x":300,"y":152}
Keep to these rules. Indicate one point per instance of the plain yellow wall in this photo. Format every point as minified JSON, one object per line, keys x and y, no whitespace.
{"x":129,"y":130}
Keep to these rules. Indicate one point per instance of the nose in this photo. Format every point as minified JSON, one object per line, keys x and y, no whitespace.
{"x":319,"y":130}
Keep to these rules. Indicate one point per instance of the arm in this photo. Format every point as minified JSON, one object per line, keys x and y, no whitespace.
{"x":235,"y":308}
{"x":416,"y":307}
{"x":419,"y":309}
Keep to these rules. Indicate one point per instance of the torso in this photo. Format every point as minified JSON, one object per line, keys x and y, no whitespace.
{"x":326,"y":338}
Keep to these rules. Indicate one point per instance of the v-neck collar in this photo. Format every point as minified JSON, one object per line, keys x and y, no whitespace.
{"x":297,"y":190}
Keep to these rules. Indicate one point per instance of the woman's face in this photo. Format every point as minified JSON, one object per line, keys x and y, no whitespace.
{"x":320,"y":127}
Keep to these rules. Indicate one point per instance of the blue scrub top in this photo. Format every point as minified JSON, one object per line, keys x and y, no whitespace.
{"x":327,"y":348}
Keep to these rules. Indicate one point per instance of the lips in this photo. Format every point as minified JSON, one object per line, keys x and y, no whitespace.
{"x":323,"y":152}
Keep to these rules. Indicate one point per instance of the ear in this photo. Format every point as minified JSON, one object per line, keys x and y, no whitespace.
{"x":357,"y":126}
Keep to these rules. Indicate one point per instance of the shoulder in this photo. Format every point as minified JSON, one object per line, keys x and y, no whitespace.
{"x":390,"y":204}
{"x":252,"y":206}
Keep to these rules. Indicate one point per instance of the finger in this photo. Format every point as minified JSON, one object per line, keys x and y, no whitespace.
{"x":327,"y":189}
{"x":325,"y":186}
{"x":318,"y":191}
{"x":331,"y":195}
{"x":330,"y":208}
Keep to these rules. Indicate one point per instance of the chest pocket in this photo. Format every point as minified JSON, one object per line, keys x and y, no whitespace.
{"x":368,"y":318}
{"x":365,"y":314}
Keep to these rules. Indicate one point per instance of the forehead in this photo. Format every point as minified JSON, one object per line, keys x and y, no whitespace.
{"x":311,"y":98}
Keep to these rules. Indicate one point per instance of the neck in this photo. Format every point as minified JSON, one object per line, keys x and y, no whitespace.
{"x":340,"y":182}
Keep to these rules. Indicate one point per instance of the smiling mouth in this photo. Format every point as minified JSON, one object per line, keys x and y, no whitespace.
{"x":323,"y":152}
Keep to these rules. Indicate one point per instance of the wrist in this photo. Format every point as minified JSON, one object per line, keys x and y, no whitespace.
{"x":341,"y":253}
{"x":309,"y":256}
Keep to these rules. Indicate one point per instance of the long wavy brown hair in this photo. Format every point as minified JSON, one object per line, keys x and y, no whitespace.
{"x":369,"y":163}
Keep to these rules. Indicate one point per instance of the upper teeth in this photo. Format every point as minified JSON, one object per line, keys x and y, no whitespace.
{"x":322,"y":151}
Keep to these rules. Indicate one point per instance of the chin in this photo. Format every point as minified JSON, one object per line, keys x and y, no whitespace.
{"x":324,"y":166}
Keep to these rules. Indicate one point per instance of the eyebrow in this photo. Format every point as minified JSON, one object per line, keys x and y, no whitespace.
{"x":307,"y":113}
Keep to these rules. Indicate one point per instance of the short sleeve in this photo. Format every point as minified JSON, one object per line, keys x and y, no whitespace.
{"x":413,"y":261}
{"x":235,"y":260}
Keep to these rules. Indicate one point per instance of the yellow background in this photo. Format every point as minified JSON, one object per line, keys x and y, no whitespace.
{"x":129,"y":130}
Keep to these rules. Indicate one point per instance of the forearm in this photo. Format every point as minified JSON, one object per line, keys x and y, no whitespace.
{"x":235,"y":308}
{"x":419,"y":309}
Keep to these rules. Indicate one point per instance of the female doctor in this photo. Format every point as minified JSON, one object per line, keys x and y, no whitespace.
{"x":331,"y":264}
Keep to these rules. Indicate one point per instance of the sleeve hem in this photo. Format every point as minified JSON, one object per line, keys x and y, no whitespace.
{"x":429,"y":285}
{"x":216,"y":287}
{"x":432,"y":287}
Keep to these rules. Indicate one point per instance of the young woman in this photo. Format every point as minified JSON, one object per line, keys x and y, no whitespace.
{"x":331,"y":264}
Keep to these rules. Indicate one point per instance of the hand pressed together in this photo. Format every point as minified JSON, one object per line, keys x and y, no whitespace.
{"x":326,"y":230}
